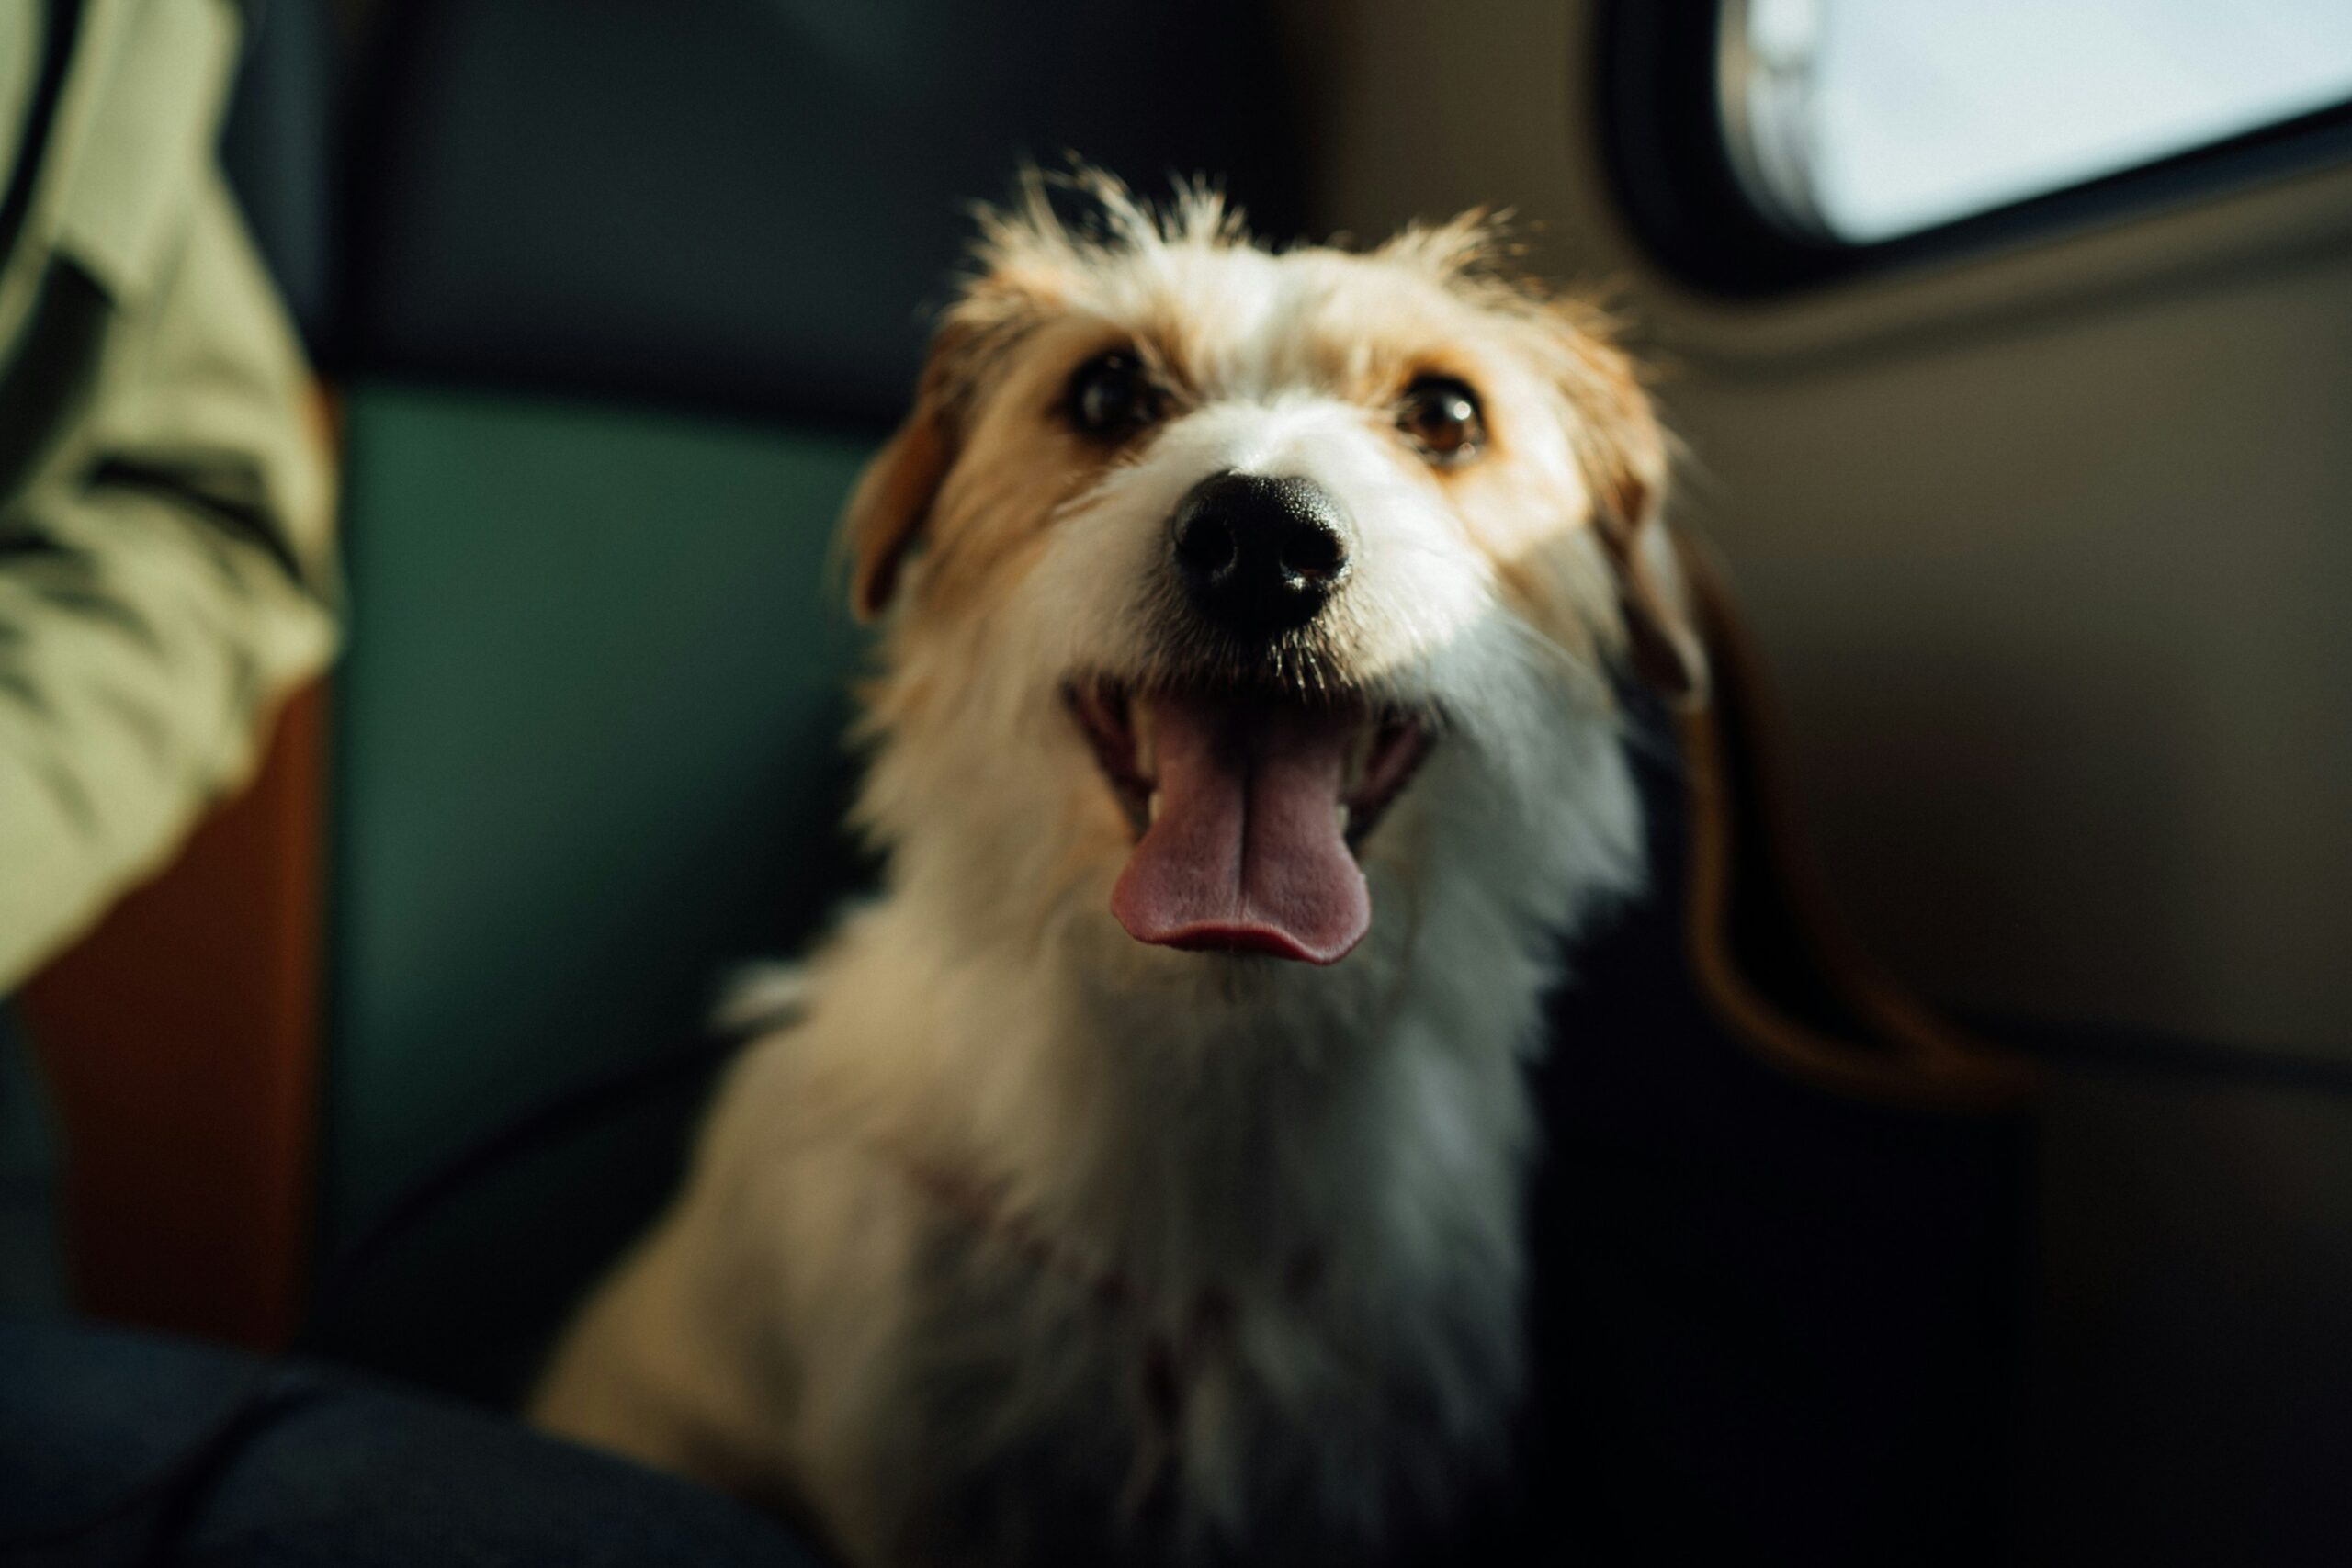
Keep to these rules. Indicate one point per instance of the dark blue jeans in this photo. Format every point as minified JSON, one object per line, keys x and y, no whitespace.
{"x":32,"y":1273}
{"x":330,"y":1470}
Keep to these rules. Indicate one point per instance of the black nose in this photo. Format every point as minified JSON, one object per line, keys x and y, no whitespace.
{"x":1259,"y":555}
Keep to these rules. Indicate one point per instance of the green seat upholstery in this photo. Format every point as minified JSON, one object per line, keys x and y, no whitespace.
{"x":591,"y":754}
{"x":619,"y":693}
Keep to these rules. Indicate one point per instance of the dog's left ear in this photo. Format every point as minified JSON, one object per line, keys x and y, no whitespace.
{"x":1625,"y":456}
{"x":1661,"y":622}
{"x":893,"y":498}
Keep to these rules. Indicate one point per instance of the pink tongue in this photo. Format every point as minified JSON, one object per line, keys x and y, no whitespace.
{"x":1247,"y":855}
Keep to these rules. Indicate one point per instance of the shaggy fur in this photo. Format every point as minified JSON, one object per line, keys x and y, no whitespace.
{"x":1026,"y":1242}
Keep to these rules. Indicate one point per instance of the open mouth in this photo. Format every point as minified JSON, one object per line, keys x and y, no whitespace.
{"x":1248,"y":811}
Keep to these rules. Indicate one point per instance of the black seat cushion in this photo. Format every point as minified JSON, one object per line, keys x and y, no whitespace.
{"x":1773,"y":1324}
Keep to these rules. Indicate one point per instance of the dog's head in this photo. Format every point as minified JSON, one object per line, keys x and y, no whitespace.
{"x":1218,"y":581}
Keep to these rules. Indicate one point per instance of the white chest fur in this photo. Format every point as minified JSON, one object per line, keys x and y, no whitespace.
{"x":1009,"y":1261}
{"x":1048,"y":1273}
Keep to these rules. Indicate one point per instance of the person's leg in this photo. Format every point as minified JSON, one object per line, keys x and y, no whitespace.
{"x":329,"y":1469}
{"x":32,"y":1270}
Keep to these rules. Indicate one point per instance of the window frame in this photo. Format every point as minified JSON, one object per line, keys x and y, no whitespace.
{"x":1668,"y":157}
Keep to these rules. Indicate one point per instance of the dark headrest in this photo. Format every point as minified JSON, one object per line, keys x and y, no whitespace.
{"x":276,"y":148}
{"x":746,"y":203}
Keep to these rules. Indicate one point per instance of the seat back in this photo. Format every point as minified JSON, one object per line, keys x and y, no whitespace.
{"x":634,"y":287}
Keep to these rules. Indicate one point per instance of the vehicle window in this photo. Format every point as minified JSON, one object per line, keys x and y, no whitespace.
{"x":1864,"y":121}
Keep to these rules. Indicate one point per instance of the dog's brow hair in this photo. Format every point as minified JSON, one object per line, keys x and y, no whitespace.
{"x":1164,"y":352}
{"x":1027,"y":232}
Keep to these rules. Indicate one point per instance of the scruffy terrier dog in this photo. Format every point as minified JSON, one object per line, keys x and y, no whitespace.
{"x":1139,"y":1176}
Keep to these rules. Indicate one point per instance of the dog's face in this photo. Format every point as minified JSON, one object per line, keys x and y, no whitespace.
{"x":1231,"y":592}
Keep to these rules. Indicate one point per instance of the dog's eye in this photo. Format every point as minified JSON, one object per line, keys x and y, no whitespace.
{"x":1111,"y":396}
{"x":1442,"y":416}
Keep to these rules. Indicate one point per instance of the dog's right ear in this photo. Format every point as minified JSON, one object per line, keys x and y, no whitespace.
{"x":893,"y":498}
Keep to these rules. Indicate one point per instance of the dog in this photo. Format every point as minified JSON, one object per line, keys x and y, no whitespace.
{"x":1138,"y":1175}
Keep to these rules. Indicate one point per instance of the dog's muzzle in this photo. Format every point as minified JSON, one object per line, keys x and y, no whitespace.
{"x":1258,"y":556}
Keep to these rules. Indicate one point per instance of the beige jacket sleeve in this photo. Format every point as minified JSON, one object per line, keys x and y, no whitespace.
{"x":165,"y":562}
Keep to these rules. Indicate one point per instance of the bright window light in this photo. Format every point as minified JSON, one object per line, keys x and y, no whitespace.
{"x":1866,"y":119}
